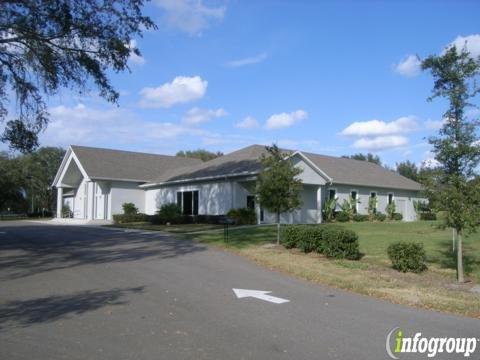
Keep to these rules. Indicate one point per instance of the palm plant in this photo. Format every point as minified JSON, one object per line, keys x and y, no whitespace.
{"x":329,"y":209}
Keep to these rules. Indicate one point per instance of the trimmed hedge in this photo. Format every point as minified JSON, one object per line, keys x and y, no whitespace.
{"x":130,"y":218}
{"x":407,"y":256}
{"x":360,"y":217}
{"x":243,"y":216}
{"x":292,"y":235}
{"x":397,"y":216}
{"x":428,"y":216}
{"x":169,"y":212}
{"x":186,"y":219}
{"x":329,"y":240}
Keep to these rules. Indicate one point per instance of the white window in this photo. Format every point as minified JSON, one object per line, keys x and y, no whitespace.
{"x":373,"y":195}
{"x":354,"y":196}
{"x":332,"y":194}
{"x":391,"y":198}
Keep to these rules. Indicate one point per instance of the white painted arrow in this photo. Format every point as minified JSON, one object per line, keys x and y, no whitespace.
{"x":258,"y":294}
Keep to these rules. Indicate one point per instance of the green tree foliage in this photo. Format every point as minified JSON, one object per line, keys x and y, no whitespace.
{"x":201,"y":154}
{"x":408,"y":169}
{"x":278,"y":187}
{"x":456,"y":146}
{"x":365,"y":157}
{"x":11,"y":185}
{"x":38,"y":170}
{"x":27,"y":179}
{"x":46,"y":46}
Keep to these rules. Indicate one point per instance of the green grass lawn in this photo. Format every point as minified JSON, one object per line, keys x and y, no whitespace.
{"x":374,"y":238}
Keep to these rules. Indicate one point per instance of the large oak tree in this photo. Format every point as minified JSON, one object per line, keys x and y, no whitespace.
{"x":49,"y":45}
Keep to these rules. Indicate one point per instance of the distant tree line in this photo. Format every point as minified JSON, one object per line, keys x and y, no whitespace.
{"x":201,"y":154}
{"x":26,"y":180}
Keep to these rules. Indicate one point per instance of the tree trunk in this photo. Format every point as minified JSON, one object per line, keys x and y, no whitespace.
{"x":460,"y":277}
{"x":454,"y":238}
{"x":278,"y":228}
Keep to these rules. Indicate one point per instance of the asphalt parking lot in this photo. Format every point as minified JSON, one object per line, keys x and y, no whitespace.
{"x":72,"y":292}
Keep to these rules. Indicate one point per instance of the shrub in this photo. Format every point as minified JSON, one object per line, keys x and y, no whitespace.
{"x":342,"y":216}
{"x":169,"y":212}
{"x":390,"y":210}
{"x":360,"y":218}
{"x":397,"y":216}
{"x":372,"y":207}
{"x":380,"y":216}
{"x":407,"y":256}
{"x":329,"y":240}
{"x":130,"y":218}
{"x":243,"y":216}
{"x":292,"y":235}
{"x":340,"y":243}
{"x":66,"y":212}
{"x":129,"y":209}
{"x":310,"y":239}
{"x":428,"y":216}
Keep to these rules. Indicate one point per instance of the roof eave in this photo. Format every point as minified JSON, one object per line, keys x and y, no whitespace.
{"x":204,"y":178}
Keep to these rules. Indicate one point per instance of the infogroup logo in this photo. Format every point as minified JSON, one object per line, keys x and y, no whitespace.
{"x":397,"y":343}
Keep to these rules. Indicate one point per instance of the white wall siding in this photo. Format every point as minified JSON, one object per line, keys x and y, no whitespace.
{"x":122,"y":192}
{"x":214,"y":198}
{"x":403,"y":198}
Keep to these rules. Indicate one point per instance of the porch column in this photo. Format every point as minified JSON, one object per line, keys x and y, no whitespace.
{"x":319,"y":205}
{"x":90,"y":200}
{"x":59,"y":201}
{"x":257,"y":211}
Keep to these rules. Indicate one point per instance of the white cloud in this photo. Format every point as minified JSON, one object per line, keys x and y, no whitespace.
{"x":284,"y":120}
{"x":434,"y":124}
{"x":471,"y":42}
{"x":197,"y":116}
{"x":381,"y":143}
{"x":110,"y":127}
{"x":402,"y":125}
{"x":430,"y":163}
{"x":248,"y":61}
{"x":248,"y":123}
{"x":181,"y":90}
{"x":134,"y":58}
{"x":409,"y":66}
{"x":190,"y":16}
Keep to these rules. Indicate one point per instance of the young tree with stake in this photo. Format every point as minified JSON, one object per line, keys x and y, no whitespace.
{"x":278,"y":187}
{"x":457,"y":146}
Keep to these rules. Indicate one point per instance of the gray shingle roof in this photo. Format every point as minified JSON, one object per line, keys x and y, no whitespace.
{"x":127,"y":165}
{"x":242,"y":161}
{"x":357,"y":172}
{"x":246,"y":160}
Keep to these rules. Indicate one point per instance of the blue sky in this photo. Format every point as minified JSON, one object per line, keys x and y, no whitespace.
{"x":322,"y":76}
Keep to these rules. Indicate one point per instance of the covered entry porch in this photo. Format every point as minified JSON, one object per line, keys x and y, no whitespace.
{"x":86,"y":199}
